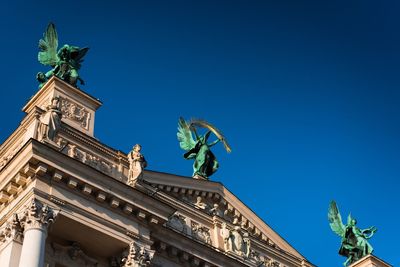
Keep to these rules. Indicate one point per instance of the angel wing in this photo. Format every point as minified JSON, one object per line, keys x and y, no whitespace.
{"x":185,"y":136}
{"x":78,"y":55}
{"x":48,"y":46}
{"x":335,"y":220}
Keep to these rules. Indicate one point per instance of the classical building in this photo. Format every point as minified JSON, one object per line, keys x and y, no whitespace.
{"x":67,"y":200}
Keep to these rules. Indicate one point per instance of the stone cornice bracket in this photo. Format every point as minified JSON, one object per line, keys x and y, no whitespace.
{"x":12,"y":230}
{"x":137,"y":256}
{"x":38,"y":216}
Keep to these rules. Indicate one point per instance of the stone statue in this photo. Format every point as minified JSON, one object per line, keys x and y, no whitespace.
{"x":50,"y":121}
{"x":355,"y":243}
{"x":137,"y":163}
{"x":200,"y":204}
{"x":226,"y":234}
{"x":235,"y":241}
{"x":205,"y":163}
{"x":65,"y":62}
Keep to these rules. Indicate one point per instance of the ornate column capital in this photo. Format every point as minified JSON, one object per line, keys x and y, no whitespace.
{"x":37,"y":216}
{"x":12,"y":230}
{"x":136,"y":255}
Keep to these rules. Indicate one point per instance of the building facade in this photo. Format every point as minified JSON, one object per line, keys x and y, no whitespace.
{"x":67,"y":200}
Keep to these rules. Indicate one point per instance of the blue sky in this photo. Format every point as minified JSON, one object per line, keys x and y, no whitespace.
{"x":306,"y":92}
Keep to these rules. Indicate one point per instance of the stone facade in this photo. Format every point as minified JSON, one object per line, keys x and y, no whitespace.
{"x":72,"y":201}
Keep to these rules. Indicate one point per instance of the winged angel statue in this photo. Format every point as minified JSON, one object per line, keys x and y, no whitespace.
{"x":65,"y":62}
{"x":354,"y":240}
{"x":205,"y":163}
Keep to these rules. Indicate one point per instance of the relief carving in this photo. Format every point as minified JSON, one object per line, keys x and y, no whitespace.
{"x":75,"y":112}
{"x":201,"y":233}
{"x":96,"y":162}
{"x":12,"y":230}
{"x":68,"y":255}
{"x":235,"y":241}
{"x":177,"y":222}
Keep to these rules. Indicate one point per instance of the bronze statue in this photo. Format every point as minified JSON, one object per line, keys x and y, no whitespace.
{"x":205,"y":163}
{"x":355,"y":243}
{"x":65,"y":63}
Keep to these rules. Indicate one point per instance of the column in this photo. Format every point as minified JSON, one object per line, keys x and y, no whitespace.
{"x":36,"y":221}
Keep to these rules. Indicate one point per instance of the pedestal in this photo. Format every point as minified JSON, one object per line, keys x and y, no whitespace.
{"x":370,"y":261}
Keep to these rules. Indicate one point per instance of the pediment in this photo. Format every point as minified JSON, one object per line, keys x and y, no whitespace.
{"x":214,"y":200}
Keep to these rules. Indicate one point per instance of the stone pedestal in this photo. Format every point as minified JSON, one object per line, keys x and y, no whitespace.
{"x":370,"y":261}
{"x":77,"y":107}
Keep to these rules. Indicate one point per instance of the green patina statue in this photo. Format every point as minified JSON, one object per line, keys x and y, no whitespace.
{"x":205,"y":163}
{"x":354,"y":240}
{"x":65,"y":62}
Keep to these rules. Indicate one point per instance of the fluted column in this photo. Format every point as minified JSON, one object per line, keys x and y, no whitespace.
{"x":36,"y":221}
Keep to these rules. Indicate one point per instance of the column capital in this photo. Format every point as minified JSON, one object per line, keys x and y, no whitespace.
{"x":12,"y":230}
{"x":37,"y":216}
{"x":137,"y":256}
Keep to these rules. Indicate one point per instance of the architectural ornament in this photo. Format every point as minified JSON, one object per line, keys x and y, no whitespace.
{"x":137,"y":163}
{"x":235,"y":241}
{"x":178,"y":222}
{"x":216,"y":211}
{"x":138,"y":256}
{"x":37,"y":215}
{"x":72,"y":253}
{"x":89,"y":159}
{"x":12,"y":230}
{"x":201,"y":233}
{"x":50,"y":121}
{"x":75,"y":112}
{"x":200,"y":204}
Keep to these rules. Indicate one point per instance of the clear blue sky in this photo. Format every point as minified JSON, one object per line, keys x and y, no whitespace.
{"x":307,"y":93}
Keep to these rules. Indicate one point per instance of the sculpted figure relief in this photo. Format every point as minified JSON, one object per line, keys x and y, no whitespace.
{"x":355,"y":243}
{"x":136,"y":164}
{"x":235,"y":241}
{"x":50,"y":121}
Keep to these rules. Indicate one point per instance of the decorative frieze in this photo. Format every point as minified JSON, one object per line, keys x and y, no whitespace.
{"x":90,"y":159}
{"x":201,"y":233}
{"x":75,"y":112}
{"x":178,"y":223}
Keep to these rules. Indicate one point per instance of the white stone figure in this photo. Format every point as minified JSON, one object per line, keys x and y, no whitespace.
{"x":216,"y":211}
{"x":200,"y":204}
{"x":237,"y":241}
{"x":136,"y":164}
{"x":247,"y":244}
{"x":226,"y":234}
{"x":50,"y":121}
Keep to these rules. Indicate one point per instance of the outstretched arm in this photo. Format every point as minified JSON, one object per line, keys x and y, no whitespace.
{"x":215,"y":142}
